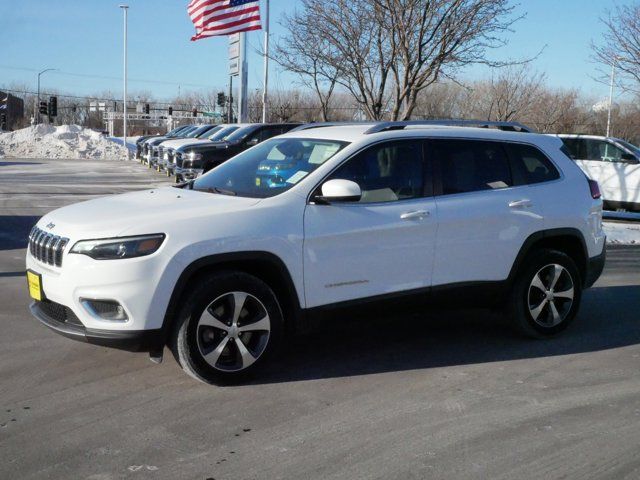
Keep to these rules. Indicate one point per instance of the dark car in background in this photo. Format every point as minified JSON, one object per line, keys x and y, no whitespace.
{"x":147,"y":145}
{"x":159,"y":159}
{"x":218,"y":134}
{"x":198,"y":159}
{"x":140,"y":142}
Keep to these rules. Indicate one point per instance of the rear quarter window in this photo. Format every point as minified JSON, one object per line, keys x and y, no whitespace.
{"x":531,"y":166}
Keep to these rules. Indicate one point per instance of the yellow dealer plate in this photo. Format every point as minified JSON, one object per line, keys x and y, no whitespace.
{"x":35,"y":285}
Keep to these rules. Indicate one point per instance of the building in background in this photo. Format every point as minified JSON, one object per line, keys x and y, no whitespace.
{"x":11,"y":111}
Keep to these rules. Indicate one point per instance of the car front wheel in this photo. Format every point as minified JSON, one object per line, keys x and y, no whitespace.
{"x":227,"y":328}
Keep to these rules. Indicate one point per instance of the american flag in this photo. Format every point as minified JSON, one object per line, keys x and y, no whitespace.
{"x":223,"y":17}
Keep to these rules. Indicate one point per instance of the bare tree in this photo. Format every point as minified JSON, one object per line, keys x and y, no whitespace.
{"x":508,"y":95}
{"x":339,"y":42}
{"x":385,"y":52}
{"x":301,"y":52}
{"x":621,"y":44}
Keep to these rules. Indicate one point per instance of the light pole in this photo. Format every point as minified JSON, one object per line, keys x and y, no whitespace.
{"x":125,"y":9}
{"x":613,"y":72}
{"x":38,"y":105}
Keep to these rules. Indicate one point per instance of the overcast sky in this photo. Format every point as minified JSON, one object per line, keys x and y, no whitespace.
{"x":84,"y":38}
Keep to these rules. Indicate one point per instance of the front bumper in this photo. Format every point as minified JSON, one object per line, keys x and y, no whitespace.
{"x":130,"y":340}
{"x":142,"y":286}
{"x":188,"y":173}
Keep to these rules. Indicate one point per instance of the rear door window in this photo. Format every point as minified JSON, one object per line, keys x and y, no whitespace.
{"x":470,"y":166}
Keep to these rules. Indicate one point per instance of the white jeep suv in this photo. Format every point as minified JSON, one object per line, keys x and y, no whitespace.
{"x":613,"y":163}
{"x":222,"y":267}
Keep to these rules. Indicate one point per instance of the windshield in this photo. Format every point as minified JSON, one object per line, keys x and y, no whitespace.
{"x":199,"y":131}
{"x":630,"y":146}
{"x":241,"y":133}
{"x":187,"y":130}
{"x":270,"y":168}
{"x":176,"y":131}
{"x":222,"y":134}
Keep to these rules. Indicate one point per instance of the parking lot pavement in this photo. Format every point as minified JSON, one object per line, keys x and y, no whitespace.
{"x":436,"y":395}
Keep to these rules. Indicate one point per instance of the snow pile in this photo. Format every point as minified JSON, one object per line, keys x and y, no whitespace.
{"x":65,"y":141}
{"x":622,"y":233}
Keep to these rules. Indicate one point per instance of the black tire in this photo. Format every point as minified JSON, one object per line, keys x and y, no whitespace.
{"x":554,"y":310}
{"x":190,"y":338}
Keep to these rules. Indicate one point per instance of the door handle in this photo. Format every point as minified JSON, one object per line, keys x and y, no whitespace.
{"x":526,"y":203}
{"x":414,"y":215}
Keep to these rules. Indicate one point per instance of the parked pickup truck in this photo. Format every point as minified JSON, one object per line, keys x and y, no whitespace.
{"x":199,"y":159}
{"x":147,"y":146}
{"x":215,"y":135}
{"x":161,"y":158}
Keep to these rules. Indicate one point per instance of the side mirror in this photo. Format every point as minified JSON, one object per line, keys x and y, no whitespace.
{"x":629,"y":158}
{"x":338,"y":190}
{"x":252,"y":142}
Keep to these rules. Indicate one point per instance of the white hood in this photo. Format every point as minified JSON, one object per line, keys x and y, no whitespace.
{"x":179,"y":142}
{"x":149,"y":211}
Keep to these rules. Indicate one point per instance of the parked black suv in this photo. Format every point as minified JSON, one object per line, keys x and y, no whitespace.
{"x":198,"y":159}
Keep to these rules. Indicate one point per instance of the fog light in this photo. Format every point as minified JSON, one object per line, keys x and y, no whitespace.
{"x":105,"y":310}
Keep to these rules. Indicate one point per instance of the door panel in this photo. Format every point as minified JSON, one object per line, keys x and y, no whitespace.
{"x":361,"y":250}
{"x":483,"y":219}
{"x":382,"y":244}
{"x":480,"y":235}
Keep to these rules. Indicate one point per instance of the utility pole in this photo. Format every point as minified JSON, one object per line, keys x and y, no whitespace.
{"x":230,"y":108}
{"x":38,"y":106}
{"x":242,"y":88}
{"x":613,"y":72}
{"x":125,"y":9}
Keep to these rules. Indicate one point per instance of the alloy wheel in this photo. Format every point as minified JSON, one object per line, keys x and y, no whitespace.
{"x":233,"y":331}
{"x":550,"y":295}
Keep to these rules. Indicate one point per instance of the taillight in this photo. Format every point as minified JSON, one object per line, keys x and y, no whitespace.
{"x":595,"y":189}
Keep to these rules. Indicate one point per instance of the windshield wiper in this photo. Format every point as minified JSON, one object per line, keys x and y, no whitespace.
{"x":221,"y":191}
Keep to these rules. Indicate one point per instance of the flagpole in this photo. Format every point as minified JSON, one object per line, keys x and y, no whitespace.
{"x":266,"y":63}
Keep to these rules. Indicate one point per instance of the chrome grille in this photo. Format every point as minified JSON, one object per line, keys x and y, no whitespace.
{"x":178,"y":159}
{"x":46,"y":247}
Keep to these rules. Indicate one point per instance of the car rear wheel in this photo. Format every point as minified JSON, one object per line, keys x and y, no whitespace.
{"x":546,"y":295}
{"x":228,"y":327}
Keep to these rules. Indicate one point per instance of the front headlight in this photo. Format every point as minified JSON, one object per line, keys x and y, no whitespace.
{"x":116,"y":248}
{"x":194,"y":156}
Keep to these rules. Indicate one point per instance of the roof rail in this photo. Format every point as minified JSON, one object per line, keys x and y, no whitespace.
{"x":505,"y":126}
{"x":307,"y":126}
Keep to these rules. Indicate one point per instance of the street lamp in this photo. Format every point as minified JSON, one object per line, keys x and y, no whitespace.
{"x":613,"y":72}
{"x":38,"y":105}
{"x":125,"y":9}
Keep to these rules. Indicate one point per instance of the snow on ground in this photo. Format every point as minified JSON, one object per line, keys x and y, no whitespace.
{"x":622,"y":233}
{"x":131,"y":141}
{"x":64,"y":141}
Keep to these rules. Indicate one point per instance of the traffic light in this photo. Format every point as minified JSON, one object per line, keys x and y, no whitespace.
{"x":195,"y":112}
{"x":53,"y":106}
{"x":170,"y":111}
{"x":221,"y":99}
{"x":146,"y":108}
{"x":3,"y":121}
{"x":43,"y":108}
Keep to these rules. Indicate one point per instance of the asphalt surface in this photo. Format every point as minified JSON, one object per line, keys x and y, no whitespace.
{"x":438,"y":395}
